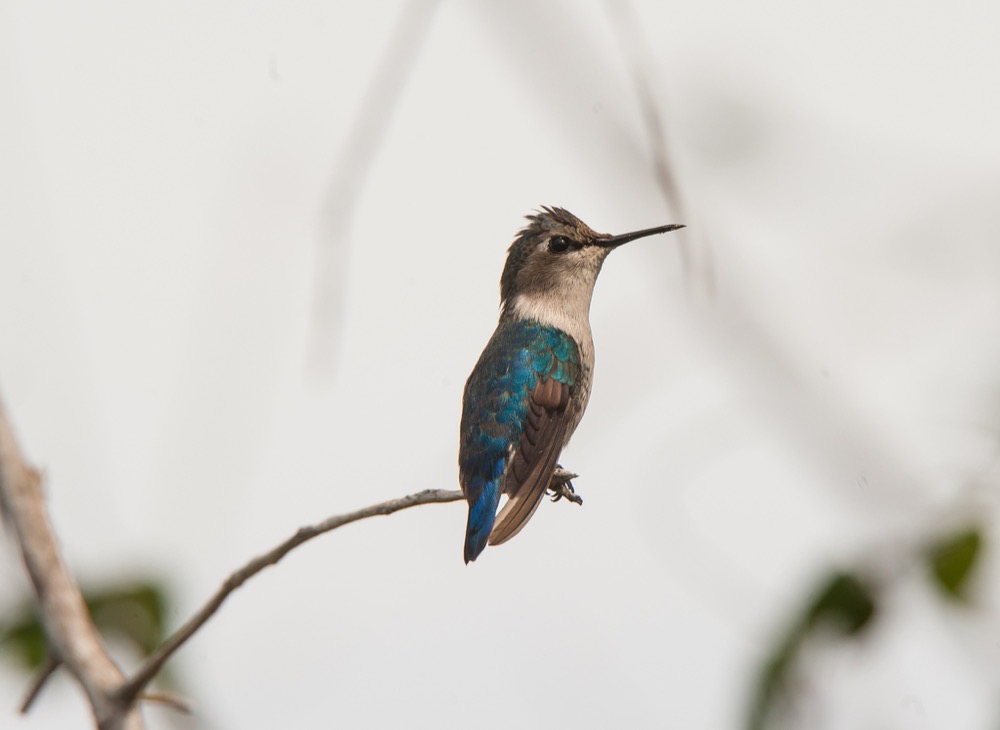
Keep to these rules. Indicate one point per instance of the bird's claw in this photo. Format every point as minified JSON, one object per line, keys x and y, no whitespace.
{"x":561,"y":486}
{"x":566,"y":490}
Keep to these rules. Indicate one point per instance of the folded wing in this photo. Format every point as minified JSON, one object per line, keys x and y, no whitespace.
{"x":530,"y":469}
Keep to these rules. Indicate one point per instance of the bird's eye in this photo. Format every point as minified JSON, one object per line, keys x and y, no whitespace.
{"x":560,"y":244}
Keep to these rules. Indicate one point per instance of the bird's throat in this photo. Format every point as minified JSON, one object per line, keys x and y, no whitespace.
{"x":571,"y":314}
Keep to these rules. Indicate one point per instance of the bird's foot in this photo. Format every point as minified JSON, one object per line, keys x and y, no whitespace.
{"x":561,"y":486}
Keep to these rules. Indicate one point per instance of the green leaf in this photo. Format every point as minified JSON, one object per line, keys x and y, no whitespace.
{"x":133,"y":611}
{"x":24,"y":640}
{"x":843,"y":603}
{"x":952,"y":560}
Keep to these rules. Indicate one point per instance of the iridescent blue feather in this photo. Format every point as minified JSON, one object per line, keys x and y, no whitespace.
{"x":520,"y":354}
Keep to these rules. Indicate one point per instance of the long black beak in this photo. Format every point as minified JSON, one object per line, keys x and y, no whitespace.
{"x":615,"y":241}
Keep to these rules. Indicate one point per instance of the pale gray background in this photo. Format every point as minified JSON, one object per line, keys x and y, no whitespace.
{"x":164,"y":172}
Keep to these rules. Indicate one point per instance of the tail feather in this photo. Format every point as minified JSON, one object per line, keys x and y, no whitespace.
{"x":516,"y":513}
{"x":482,"y":513}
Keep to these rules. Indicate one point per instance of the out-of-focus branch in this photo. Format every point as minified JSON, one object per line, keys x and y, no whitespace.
{"x":131,"y":689}
{"x":635,"y":50}
{"x":52,"y":663}
{"x":351,"y":170}
{"x":72,"y":634}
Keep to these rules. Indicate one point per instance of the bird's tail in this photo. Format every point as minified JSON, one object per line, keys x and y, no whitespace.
{"x":482,"y":512}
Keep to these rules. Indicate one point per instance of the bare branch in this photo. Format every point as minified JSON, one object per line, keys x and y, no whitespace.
{"x":52,"y":663}
{"x":75,"y":641}
{"x":155,"y":661}
{"x":634,"y":47}
{"x":351,"y":171}
{"x":72,"y":634}
{"x":168,"y":699}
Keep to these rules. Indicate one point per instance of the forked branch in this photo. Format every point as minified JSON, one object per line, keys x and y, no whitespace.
{"x":76,"y":642}
{"x":74,"y":639}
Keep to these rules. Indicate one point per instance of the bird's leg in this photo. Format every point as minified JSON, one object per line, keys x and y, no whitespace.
{"x":560,"y":486}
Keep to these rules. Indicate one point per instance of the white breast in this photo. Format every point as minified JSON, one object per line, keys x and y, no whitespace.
{"x":569,"y":314}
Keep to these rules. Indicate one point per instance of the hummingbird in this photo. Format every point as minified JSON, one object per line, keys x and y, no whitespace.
{"x":530,"y":387}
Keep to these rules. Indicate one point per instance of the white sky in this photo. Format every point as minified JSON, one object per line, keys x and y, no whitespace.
{"x":164,"y":169}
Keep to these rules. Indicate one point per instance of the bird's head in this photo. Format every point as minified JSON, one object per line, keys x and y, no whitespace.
{"x":557,"y":254}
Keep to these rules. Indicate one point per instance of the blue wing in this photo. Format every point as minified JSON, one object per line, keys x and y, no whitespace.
{"x":516,"y":409}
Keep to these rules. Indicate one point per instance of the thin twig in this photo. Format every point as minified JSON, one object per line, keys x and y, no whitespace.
{"x":52,"y":663}
{"x":351,"y":171}
{"x":168,"y":699}
{"x":155,"y":661}
{"x":634,"y":47}
{"x":73,"y":636}
{"x":75,"y":640}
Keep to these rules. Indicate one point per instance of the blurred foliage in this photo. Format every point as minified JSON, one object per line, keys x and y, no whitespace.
{"x":952,"y":560}
{"x":24,"y":639}
{"x":133,"y":611}
{"x":844,"y":604}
